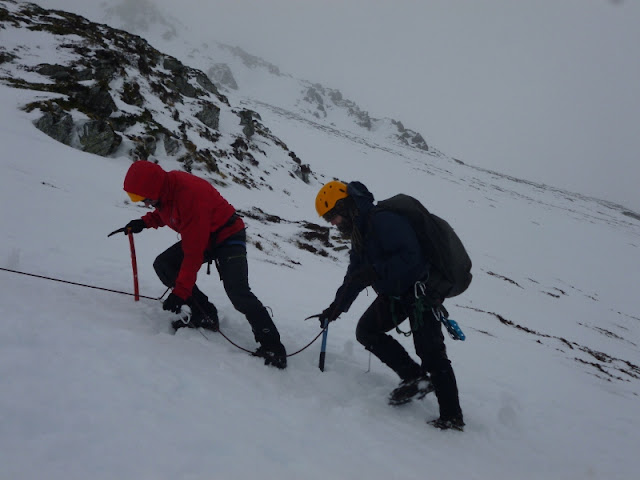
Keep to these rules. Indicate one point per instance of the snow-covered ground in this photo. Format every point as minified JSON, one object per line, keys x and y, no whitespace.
{"x":95,"y":385}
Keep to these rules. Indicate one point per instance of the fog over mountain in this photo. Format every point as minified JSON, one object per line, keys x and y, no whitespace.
{"x":541,"y":90}
{"x":97,"y":385}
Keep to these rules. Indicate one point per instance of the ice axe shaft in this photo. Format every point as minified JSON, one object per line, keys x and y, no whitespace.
{"x":134,"y":266}
{"x":323,"y":348}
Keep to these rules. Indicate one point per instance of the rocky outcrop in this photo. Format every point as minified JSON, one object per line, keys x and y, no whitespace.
{"x":252,"y":61}
{"x":209,"y":114}
{"x":97,"y":136}
{"x":111,"y":93}
{"x":222,"y":75}
{"x":321,"y":101}
{"x":57,"y":123}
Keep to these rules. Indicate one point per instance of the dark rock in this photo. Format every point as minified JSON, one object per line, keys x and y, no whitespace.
{"x":181,"y":84}
{"x":131,"y":94}
{"x":221,"y":74}
{"x":96,"y":99}
{"x":205,"y":83}
{"x":171,"y":145}
{"x":98,"y":137}
{"x":145,"y":147}
{"x":56,"y":72}
{"x":246,"y":120}
{"x":209,"y":115}
{"x":57,"y":124}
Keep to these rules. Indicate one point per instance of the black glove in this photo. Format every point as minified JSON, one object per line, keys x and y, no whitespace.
{"x":173,"y":303}
{"x":365,"y":275}
{"x":134,"y":226}
{"x":328,"y":315}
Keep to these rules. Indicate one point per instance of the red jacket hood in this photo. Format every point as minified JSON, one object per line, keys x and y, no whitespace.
{"x":146,"y":179}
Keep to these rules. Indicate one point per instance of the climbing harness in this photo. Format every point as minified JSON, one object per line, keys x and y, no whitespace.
{"x":419,"y":307}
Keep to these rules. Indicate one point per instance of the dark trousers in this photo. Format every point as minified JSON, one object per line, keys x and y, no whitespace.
{"x":230,"y":258}
{"x":427,"y":339}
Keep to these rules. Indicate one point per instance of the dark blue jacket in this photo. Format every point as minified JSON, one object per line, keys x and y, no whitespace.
{"x":389,"y":245}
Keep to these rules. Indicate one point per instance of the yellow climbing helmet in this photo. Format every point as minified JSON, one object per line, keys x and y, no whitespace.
{"x":134,"y":197}
{"x":329,"y":195}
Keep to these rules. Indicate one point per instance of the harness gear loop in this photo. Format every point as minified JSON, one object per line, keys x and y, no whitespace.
{"x":416,"y":321}
{"x":394,"y":317}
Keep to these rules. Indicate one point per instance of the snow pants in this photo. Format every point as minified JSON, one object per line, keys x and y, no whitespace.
{"x":428,"y":340}
{"x":230,"y":258}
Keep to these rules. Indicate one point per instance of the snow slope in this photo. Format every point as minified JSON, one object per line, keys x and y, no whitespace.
{"x":96,"y":386}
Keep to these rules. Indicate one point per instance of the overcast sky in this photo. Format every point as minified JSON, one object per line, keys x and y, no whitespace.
{"x":547,"y":90}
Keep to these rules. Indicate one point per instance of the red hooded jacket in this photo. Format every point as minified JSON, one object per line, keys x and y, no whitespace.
{"x":189,"y":205}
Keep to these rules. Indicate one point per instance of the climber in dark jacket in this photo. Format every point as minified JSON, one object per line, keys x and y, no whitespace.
{"x":386,"y":255}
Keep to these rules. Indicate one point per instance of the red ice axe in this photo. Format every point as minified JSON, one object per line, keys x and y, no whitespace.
{"x":134,"y":266}
{"x":134,"y":263}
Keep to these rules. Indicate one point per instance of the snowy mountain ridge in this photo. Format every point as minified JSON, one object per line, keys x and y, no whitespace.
{"x":128,"y":98}
{"x":97,"y":386}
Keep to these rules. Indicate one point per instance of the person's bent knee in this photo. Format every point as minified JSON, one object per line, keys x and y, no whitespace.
{"x":365,"y":336}
{"x":162,"y":270}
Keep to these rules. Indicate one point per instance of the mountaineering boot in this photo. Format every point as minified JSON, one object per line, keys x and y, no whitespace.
{"x":455,"y":423}
{"x":208,"y":323}
{"x":205,"y":315}
{"x":207,"y":320}
{"x":182,"y":322}
{"x":417,"y":387}
{"x":274,"y":355}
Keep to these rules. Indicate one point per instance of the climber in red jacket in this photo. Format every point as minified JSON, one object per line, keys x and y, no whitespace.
{"x":211,"y":231}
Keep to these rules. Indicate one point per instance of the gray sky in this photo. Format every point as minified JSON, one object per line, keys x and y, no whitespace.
{"x":547,"y":90}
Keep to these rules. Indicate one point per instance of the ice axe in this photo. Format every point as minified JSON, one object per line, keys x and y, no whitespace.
{"x":120,"y":230}
{"x":134,"y":263}
{"x":323,"y":348}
